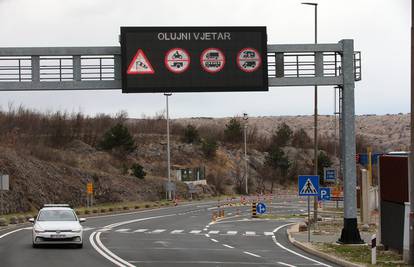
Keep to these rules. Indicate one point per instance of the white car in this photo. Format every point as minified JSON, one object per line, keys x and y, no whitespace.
{"x":57,"y":224}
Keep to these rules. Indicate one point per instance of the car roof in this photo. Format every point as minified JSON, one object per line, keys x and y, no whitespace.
{"x":56,"y":208}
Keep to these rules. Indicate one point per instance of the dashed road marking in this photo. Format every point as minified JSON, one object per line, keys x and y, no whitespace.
{"x":213,"y":232}
{"x":195,"y":231}
{"x":177,"y":231}
{"x":231,"y":232}
{"x":88,"y":228}
{"x":268,"y":233}
{"x":214,"y":240}
{"x":158,"y":231}
{"x":285,"y":264}
{"x":250,"y":233}
{"x":227,"y":246}
{"x":140,"y":230}
{"x":252,"y":254}
{"x":122,"y":230}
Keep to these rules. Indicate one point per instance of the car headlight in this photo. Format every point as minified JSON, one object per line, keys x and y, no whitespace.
{"x":38,"y":230}
{"x":77,"y":231}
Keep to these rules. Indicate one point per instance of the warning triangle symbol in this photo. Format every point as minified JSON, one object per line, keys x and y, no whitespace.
{"x":308,"y":188}
{"x":140,"y":64}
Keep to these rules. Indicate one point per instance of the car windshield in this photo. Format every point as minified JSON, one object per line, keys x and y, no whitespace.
{"x":56,"y":215}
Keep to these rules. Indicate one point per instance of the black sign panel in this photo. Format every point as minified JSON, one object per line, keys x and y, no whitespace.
{"x":193,"y":59}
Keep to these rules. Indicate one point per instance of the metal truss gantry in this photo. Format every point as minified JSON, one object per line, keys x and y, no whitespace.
{"x":99,"y":68}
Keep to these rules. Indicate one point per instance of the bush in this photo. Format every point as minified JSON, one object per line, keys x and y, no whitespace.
{"x":147,"y":206}
{"x":138,"y":171}
{"x":103,"y":210}
{"x":87,"y":212}
{"x":301,"y":139}
{"x":283,"y":135}
{"x":111,"y":209}
{"x":191,"y":134}
{"x":233,"y":131}
{"x":137,"y":207}
{"x":3,"y":222}
{"x":94,"y":211}
{"x":118,"y":138}
{"x":125,"y":208}
{"x":209,"y":147}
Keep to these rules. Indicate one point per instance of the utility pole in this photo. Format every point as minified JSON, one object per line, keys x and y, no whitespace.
{"x":411,"y":182}
{"x":315,"y":116}
{"x":245,"y":118}
{"x":168,"y":148}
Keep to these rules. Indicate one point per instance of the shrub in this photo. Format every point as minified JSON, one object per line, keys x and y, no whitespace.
{"x":233,"y":131}
{"x":87,"y":212}
{"x":94,"y":211}
{"x":138,"y":171}
{"x":191,"y":134}
{"x":301,"y":139}
{"x":209,"y":147}
{"x":103,"y":210}
{"x":137,"y":207}
{"x":3,"y":222}
{"x":118,"y":138}
{"x":283,"y":135}
{"x":147,"y":206}
{"x":125,"y":208}
{"x":111,"y":209}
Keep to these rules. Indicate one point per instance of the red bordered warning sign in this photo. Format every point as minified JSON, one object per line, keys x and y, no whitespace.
{"x":140,"y":64}
{"x":248,"y":59}
{"x":212,"y":60}
{"x":177,"y":60}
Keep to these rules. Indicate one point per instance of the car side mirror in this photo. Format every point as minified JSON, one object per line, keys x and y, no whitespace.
{"x":81,"y":220}
{"x":32,"y":220}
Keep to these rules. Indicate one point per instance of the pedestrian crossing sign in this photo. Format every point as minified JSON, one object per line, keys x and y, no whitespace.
{"x":308,"y":185}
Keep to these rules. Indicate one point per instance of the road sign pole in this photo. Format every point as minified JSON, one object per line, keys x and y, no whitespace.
{"x":309,"y":222}
{"x":168,"y":145}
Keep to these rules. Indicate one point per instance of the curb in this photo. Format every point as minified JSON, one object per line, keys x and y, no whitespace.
{"x":313,"y":251}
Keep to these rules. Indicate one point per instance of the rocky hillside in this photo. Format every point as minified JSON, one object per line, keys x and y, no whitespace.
{"x":384,"y":132}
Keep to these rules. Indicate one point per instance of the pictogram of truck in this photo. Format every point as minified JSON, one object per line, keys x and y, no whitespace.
{"x":249,"y":64}
{"x":212,"y":55}
{"x":212,"y":64}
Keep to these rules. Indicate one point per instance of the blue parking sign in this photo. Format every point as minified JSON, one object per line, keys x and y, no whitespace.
{"x":308,"y":185}
{"x":324,"y":194}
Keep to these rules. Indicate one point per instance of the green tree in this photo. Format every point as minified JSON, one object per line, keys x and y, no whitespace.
{"x":301,"y":139}
{"x":191,"y":134}
{"x":279,"y":164}
{"x":138,"y":171}
{"x":283,"y":135}
{"x":118,"y":138}
{"x":209,"y":147}
{"x":323,"y":162}
{"x":233,"y":132}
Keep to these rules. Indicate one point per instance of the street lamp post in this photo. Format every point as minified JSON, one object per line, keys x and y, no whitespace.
{"x":315,"y":116}
{"x":245,"y":118}
{"x":168,"y":148}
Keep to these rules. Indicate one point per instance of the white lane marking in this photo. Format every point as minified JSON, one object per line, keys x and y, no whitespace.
{"x":28,"y":228}
{"x":268,"y":233}
{"x":213,"y":232}
{"x":158,"y":231}
{"x":177,"y":231}
{"x":227,"y":246}
{"x":106,"y":252}
{"x":140,"y":230}
{"x":212,"y":239}
{"x":101,"y":252}
{"x":291,"y":251}
{"x":207,"y":235}
{"x":122,"y":230}
{"x":250,"y":233}
{"x":285,"y":264}
{"x":9,"y":233}
{"x":104,"y":229}
{"x":252,"y":254}
{"x":205,"y":229}
{"x":195,"y":231}
{"x":88,"y":228}
{"x":231,"y":232}
{"x":109,"y":253}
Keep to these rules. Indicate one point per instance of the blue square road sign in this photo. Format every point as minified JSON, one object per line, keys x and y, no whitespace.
{"x":324,"y":194}
{"x":308,"y":185}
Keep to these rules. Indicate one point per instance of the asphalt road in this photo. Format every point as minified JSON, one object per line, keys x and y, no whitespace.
{"x":173,"y":236}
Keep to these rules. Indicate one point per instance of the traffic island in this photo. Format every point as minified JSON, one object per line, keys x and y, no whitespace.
{"x":324,"y":245}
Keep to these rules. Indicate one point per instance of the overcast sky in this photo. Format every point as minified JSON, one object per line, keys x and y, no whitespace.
{"x":380,"y":28}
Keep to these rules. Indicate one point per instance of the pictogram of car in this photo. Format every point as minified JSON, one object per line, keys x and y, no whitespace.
{"x":248,"y":54}
{"x":140,"y":64}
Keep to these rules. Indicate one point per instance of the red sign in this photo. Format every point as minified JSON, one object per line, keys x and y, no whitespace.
{"x":140,"y":64}
{"x":177,"y":60}
{"x":248,"y":59}
{"x":212,"y":60}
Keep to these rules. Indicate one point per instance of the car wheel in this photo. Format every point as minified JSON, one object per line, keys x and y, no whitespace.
{"x":35,"y":245}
